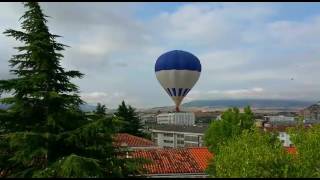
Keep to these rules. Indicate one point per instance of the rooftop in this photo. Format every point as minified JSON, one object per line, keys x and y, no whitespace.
{"x":175,"y":161}
{"x":124,"y":139}
{"x":179,"y":128}
{"x":281,"y":128}
{"x":291,"y":150}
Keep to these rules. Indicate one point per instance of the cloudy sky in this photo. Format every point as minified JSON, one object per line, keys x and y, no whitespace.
{"x":247,"y":50}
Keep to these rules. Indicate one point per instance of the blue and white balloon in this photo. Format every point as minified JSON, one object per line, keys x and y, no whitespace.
{"x":177,"y":71}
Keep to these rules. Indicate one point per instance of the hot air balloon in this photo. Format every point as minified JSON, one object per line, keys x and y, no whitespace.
{"x":177,"y":71}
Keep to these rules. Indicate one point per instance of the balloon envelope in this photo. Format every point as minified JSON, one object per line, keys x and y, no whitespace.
{"x":177,"y":71}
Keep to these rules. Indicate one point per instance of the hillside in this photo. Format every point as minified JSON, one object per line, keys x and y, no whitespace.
{"x":254,"y":103}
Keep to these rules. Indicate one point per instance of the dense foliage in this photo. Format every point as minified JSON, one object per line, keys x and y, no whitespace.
{"x":245,"y":151}
{"x":307,"y":143}
{"x":101,"y":109}
{"x":252,"y":154}
{"x":232,"y":123}
{"x":130,"y":121}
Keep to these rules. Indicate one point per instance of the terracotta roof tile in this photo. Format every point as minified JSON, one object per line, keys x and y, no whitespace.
{"x":291,"y":150}
{"x":179,"y":160}
{"x":131,"y":141}
{"x":202,"y":156}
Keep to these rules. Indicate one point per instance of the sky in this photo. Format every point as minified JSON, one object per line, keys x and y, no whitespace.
{"x":247,"y":50}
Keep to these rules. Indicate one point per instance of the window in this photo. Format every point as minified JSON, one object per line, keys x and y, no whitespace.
{"x":168,"y":134}
{"x":167,"y":141}
{"x":180,"y":142}
{"x":191,"y":145}
{"x":155,"y":135}
{"x":180,"y":136}
{"x":191,"y":138}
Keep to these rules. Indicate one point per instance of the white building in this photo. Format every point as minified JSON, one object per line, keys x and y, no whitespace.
{"x":173,"y":136}
{"x":285,"y":139}
{"x":148,"y":118}
{"x":177,"y":118}
{"x":280,"y":120}
{"x":283,"y":136}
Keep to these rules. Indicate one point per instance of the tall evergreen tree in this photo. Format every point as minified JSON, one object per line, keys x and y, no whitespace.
{"x":100,"y":109}
{"x":130,"y":119}
{"x":44,"y":133}
{"x":42,"y":87}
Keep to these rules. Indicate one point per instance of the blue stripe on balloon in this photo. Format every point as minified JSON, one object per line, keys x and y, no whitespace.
{"x":185,"y":91}
{"x":169,"y":91}
{"x":174,"y":91}
{"x":180,"y":90}
{"x":178,"y":60}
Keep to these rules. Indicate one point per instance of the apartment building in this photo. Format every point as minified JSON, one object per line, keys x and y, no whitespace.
{"x":173,"y":136}
{"x":177,"y":118}
{"x":283,"y":136}
{"x":148,"y":118}
{"x":280,"y":119}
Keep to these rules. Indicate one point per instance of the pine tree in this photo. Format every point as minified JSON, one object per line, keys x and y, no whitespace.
{"x":100,"y":109}
{"x":44,"y":133}
{"x":41,"y":87}
{"x":130,"y":119}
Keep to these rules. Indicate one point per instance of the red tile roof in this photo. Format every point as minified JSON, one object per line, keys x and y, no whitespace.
{"x":124,"y":139}
{"x":291,"y":150}
{"x":172,"y":161}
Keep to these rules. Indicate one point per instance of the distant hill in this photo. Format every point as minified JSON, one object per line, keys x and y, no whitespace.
{"x":254,"y":103}
{"x":90,"y":108}
{"x":3,"y":106}
{"x":87,"y":107}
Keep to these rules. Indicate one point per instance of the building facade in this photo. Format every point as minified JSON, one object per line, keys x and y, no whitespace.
{"x":283,"y":136}
{"x":174,"y":136}
{"x":280,"y":119}
{"x":177,"y":118}
{"x":148,"y":118}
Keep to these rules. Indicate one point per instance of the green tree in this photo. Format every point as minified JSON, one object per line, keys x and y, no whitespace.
{"x":130,"y":119}
{"x":307,"y":144}
{"x":232,"y":123}
{"x":44,"y":133}
{"x":101,"y":109}
{"x":41,"y":88}
{"x":252,"y":154}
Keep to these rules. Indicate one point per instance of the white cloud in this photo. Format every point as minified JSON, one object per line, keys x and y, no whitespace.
{"x":205,"y":25}
{"x":224,"y":59}
{"x":256,"y":92}
{"x":285,"y":34}
{"x":111,"y":100}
